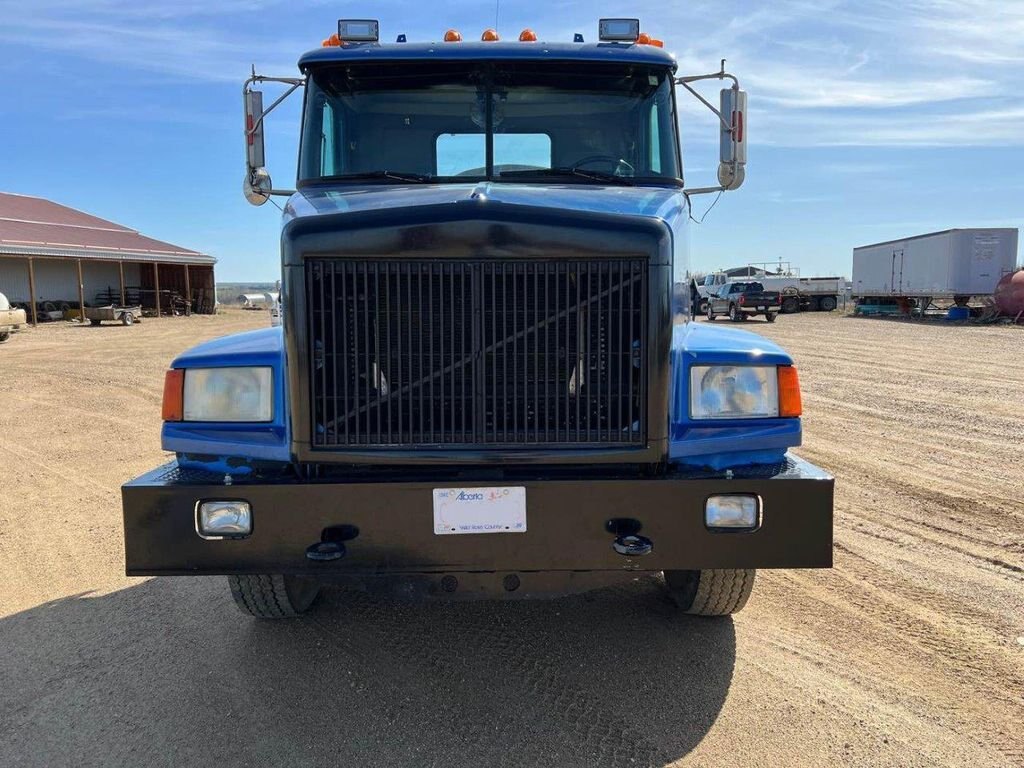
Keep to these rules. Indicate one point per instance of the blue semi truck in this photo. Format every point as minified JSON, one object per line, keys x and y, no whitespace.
{"x":479,"y":386}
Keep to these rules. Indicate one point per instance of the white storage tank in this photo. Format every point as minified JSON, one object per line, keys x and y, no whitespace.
{"x":955,"y":262}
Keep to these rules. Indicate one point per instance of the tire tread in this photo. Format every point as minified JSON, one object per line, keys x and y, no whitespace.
{"x":264,"y":596}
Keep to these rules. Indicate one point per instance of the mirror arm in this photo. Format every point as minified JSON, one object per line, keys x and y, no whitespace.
{"x":726,"y":126}
{"x":294,"y":82}
{"x":720,"y":75}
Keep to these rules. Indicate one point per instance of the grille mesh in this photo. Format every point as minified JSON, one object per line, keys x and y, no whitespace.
{"x":482,"y":353}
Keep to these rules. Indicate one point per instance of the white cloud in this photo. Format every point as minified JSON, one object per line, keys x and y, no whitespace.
{"x":867,"y":72}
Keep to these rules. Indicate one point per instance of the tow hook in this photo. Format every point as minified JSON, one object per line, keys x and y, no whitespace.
{"x":332,"y":543}
{"x":628,"y":541}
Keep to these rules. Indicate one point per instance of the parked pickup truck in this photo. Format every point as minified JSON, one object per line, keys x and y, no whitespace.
{"x":479,"y":387}
{"x":10,"y":319}
{"x":742,"y":300}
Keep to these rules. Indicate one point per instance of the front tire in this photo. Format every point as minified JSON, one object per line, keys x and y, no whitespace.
{"x":711,"y":592}
{"x":272,"y":596}
{"x":734,"y":313}
{"x":770,"y":317}
{"x":711,"y":313}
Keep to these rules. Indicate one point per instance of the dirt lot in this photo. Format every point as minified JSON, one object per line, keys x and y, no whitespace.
{"x":909,"y":652}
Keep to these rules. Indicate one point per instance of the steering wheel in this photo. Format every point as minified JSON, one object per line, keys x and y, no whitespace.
{"x":619,"y":166}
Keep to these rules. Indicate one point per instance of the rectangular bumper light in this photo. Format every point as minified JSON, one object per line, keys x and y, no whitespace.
{"x":732,"y":512}
{"x":223,"y":519}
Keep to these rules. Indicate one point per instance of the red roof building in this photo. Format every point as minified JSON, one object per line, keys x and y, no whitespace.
{"x":53,"y":257}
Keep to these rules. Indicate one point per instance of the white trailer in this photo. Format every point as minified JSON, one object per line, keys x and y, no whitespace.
{"x":955,"y":263}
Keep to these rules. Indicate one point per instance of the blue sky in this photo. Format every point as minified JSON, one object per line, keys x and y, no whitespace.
{"x":868,"y":119}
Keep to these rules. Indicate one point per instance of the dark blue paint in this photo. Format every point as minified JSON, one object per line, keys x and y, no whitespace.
{"x":625,"y":53}
{"x":719,"y":444}
{"x":265,"y":442}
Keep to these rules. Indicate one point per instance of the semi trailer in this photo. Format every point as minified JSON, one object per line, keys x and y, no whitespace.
{"x":478,"y":387}
{"x":908,"y":274}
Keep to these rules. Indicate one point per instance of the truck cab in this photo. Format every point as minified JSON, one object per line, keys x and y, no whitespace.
{"x":477,"y":385}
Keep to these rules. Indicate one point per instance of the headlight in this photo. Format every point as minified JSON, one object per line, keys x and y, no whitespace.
{"x":734,"y":391}
{"x":228,"y":394}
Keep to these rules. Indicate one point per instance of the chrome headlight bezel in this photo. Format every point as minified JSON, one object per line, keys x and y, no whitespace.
{"x":229,"y":394}
{"x":752,"y":392}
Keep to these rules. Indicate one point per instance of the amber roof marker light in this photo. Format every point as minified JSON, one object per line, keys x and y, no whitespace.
{"x":527,"y":36}
{"x":453,"y":36}
{"x":490,"y":36}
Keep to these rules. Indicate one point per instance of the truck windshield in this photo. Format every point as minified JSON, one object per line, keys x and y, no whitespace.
{"x":517,"y":121}
{"x":747,"y":288}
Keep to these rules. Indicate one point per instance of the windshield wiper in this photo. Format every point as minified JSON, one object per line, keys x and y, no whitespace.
{"x":417,"y":178}
{"x":567,"y":171}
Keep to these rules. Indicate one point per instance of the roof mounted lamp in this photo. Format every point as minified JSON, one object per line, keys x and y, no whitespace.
{"x":618,"y":30}
{"x":358,"y":30}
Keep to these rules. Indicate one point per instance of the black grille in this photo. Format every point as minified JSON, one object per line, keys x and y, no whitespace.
{"x":483,"y":353}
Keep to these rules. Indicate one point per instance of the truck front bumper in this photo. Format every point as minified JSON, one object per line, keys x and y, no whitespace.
{"x":567,"y":524}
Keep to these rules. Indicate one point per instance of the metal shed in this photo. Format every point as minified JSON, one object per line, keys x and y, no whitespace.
{"x":50,"y":253}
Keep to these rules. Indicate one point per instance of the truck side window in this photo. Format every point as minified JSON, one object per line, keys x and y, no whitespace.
{"x":328,"y":142}
{"x":654,"y":139}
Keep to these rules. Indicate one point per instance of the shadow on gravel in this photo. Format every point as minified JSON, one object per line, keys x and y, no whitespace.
{"x":167,"y":673}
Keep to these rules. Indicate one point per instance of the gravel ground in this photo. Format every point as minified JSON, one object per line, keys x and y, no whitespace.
{"x":909,"y":652}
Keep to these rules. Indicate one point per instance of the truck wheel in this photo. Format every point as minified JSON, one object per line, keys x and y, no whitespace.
{"x":127,"y":318}
{"x":94,"y":322}
{"x":734,"y":314}
{"x":271,"y":596}
{"x":4,"y":336}
{"x":711,"y":313}
{"x":716,"y":592}
{"x":702,"y":308}
{"x":827,"y":303}
{"x":769,"y":316}
{"x":790,"y":304}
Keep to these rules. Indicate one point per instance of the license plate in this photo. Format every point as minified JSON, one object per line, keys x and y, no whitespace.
{"x":479,"y":510}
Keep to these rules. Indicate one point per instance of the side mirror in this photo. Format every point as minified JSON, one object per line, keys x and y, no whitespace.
{"x":733,"y":139}
{"x":257,"y":184}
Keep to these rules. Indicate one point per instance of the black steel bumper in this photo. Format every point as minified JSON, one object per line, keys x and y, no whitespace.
{"x":567,"y":524}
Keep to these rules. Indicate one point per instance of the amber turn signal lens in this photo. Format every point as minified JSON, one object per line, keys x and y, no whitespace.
{"x":789,"y":392}
{"x":527,"y":36}
{"x":453,"y":36}
{"x":174,"y":395}
{"x":657,"y":43}
{"x":489,"y":36}
{"x":643,"y":39}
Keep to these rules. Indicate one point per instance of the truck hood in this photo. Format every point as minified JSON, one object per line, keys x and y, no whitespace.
{"x":655,"y":202}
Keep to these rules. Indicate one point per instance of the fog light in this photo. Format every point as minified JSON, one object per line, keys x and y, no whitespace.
{"x":733,"y":512}
{"x":223,"y":519}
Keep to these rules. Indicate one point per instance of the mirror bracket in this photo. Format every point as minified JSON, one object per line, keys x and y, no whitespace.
{"x":256,"y":178}
{"x":731,"y":170}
